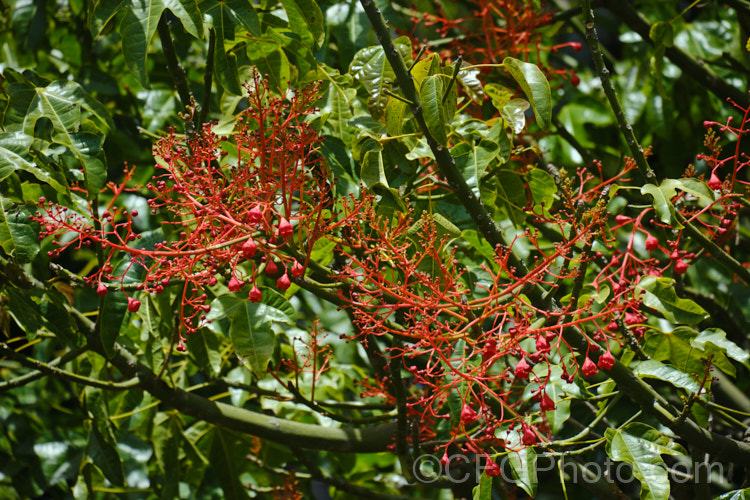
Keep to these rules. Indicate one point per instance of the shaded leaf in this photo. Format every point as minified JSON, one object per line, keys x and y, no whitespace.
{"x":431,"y":95}
{"x":18,"y":238}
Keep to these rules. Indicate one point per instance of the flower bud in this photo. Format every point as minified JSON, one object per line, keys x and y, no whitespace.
{"x":249,"y":248}
{"x":681,"y":267}
{"x":652,"y":243}
{"x":255,"y":215}
{"x":714,"y":182}
{"x":589,"y":368}
{"x":101,"y":290}
{"x":297,"y":270}
{"x":522,"y":369}
{"x":468,"y":415}
{"x":606,"y":361}
{"x":285,"y":228}
{"x":528,"y":436}
{"x":255,"y":294}
{"x":283,"y":282}
{"x":235,"y":285}
{"x":271,"y":267}
{"x":542,"y":345}
{"x":133,"y":304}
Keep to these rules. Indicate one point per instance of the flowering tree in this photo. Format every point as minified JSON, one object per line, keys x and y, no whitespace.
{"x":251,"y":250}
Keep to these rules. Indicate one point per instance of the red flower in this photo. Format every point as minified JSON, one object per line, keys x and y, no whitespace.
{"x":714,"y":182}
{"x":468,"y":415}
{"x":681,"y":267}
{"x":133,"y":304}
{"x":547,"y":404}
{"x":235,"y":285}
{"x":297,"y":270}
{"x":492,"y":469}
{"x":249,"y":248}
{"x":255,"y":215}
{"x":285,"y":228}
{"x":271,"y":268}
{"x":255,"y":294}
{"x":541,"y":344}
{"x":528,"y":436}
{"x":652,"y":243}
{"x":523,"y":369}
{"x":606,"y":361}
{"x":102,"y":290}
{"x":283,"y":282}
{"x":589,"y":368}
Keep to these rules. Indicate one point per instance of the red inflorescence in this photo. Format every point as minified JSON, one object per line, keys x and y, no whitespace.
{"x":220,"y":215}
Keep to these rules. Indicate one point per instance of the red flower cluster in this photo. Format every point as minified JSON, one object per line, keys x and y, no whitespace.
{"x":221,"y":214}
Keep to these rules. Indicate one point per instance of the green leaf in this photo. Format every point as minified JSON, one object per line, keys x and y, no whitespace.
{"x":224,"y":17}
{"x":166,"y":442}
{"x":677,"y":348}
{"x":718,"y":338}
{"x":431,"y":95}
{"x":24,"y":311}
{"x":204,"y":345}
{"x":373,"y":171}
{"x":430,"y":65}
{"x":14,"y":154}
{"x":511,"y":195}
{"x":116,"y":302}
{"x":443,"y":227}
{"x":371,"y":68}
{"x":641,"y":446}
{"x":101,"y":14}
{"x":278,"y":309}
{"x":655,"y":369}
{"x":514,"y":113}
{"x":337,"y":110}
{"x":473,"y":159}
{"x":138,"y":28}
{"x":190,"y":17}
{"x":102,"y":447}
{"x":523,"y":468}
{"x":543,"y":188}
{"x":662,"y":33}
{"x":250,"y":331}
{"x":662,"y":205}
{"x":695,"y":187}
{"x":396,"y":114}
{"x":736,"y":494}
{"x":269,"y":58}
{"x":306,"y":21}
{"x":498,"y":94}
{"x":228,"y":455}
{"x":18,"y":238}
{"x":483,"y":491}
{"x":660,"y":294}
{"x":534,"y":84}
{"x":469,"y":79}
{"x":78,"y":120}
